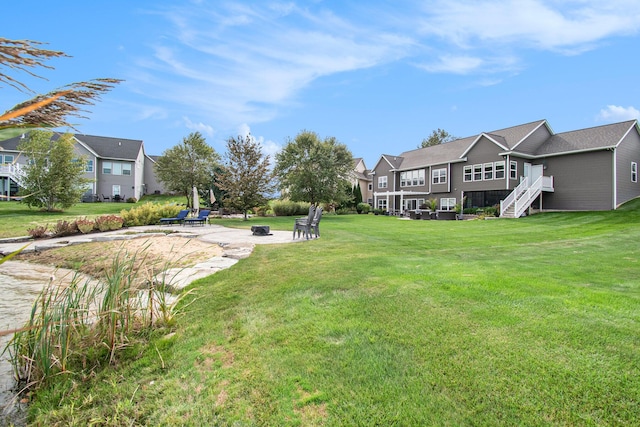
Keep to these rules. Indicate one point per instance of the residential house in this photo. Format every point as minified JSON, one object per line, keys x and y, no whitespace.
{"x":118,"y":168}
{"x":519,"y":168}
{"x":361,"y":176}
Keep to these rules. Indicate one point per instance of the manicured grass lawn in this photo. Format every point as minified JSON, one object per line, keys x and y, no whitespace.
{"x":534,"y":321}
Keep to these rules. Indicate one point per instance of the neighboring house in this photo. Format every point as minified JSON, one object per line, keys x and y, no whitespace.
{"x":521,"y":167}
{"x":361,"y":176}
{"x":117,"y":167}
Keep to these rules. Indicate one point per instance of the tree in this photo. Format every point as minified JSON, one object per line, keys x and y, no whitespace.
{"x":314,"y":171}
{"x":439,"y":136}
{"x":187,"y":165}
{"x":52,"y":109}
{"x":357,"y":194}
{"x":52,"y":179}
{"x":246,"y":177}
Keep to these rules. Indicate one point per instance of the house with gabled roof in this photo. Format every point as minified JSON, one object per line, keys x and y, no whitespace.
{"x":518,"y":168}
{"x":360,"y":176}
{"x":117,"y":167}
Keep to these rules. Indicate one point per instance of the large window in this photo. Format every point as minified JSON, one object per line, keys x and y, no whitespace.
{"x":382,"y":204}
{"x":412,"y":178}
{"x":499,"y":170}
{"x":488,"y":171}
{"x":8,"y":159}
{"x":439,"y":176}
{"x":116,"y":168}
{"x":382,"y":182}
{"x":448,"y":203}
{"x":513,"y":169}
{"x":412,"y":204}
{"x":477,"y":172}
{"x":468,"y":173}
{"x":634,"y":172}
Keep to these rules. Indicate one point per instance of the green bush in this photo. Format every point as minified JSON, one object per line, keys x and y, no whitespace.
{"x":363,"y":208}
{"x":289,"y":208}
{"x":148,"y":214}
{"x":85,"y":225}
{"x":132,"y":200}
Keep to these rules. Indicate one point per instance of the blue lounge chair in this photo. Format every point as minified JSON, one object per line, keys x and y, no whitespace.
{"x":202,"y":218}
{"x":178,"y":218}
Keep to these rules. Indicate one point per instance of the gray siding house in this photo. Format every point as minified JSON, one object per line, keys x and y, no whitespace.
{"x":117,"y":167}
{"x":519,"y":168}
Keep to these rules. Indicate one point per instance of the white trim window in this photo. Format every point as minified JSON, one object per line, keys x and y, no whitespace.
{"x":448,"y":203}
{"x":499,"y":174}
{"x":382,"y":204}
{"x":477,"y":172}
{"x":115,"y":190}
{"x":513,"y":169}
{"x":439,"y":176}
{"x":370,"y":186}
{"x":634,"y":172}
{"x":412,"y":178}
{"x":126,"y":169}
{"x":382,"y":182}
{"x":468,"y":173}
{"x":107,"y":168}
{"x":488,"y":171}
{"x":88,"y":166}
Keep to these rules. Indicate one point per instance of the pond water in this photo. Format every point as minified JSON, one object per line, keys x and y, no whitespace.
{"x":20,"y":284}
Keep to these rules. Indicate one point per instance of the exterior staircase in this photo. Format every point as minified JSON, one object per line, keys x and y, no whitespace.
{"x":11,"y":171}
{"x":523,"y":195}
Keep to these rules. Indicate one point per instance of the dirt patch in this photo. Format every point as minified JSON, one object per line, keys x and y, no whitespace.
{"x":152,"y":253}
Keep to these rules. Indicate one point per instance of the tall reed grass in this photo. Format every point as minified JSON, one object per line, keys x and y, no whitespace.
{"x":90,"y":319}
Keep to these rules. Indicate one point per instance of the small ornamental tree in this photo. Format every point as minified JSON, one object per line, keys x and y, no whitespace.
{"x":246,"y":178}
{"x":53,"y":177}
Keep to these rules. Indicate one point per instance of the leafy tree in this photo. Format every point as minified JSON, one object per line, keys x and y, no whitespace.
{"x":53,"y":178}
{"x":439,"y":136}
{"x":52,"y":109}
{"x":314,"y":171}
{"x":187,"y":165}
{"x":357,"y":194}
{"x":246,"y":177}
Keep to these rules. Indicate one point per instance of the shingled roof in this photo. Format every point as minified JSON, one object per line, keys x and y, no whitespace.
{"x":595,"y":138}
{"x":112,"y":148}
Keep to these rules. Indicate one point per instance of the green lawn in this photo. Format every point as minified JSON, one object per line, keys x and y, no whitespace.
{"x":534,"y":321}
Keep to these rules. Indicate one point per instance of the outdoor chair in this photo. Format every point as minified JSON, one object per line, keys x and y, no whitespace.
{"x":105,"y":198}
{"x":177,"y":219}
{"x":202,"y":218}
{"x":315,"y":223}
{"x":302,"y":224}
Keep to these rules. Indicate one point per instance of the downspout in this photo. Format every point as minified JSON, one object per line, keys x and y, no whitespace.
{"x":615,"y":179}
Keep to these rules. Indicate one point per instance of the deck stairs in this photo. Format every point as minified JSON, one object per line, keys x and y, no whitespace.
{"x":11,"y":171}
{"x":520,"y":199}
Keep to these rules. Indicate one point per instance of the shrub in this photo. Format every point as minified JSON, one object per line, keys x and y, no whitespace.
{"x":148,"y":214}
{"x":346,"y":211}
{"x":363,"y":208}
{"x":85,"y":225}
{"x":109,"y":222}
{"x":38,"y":232}
{"x":65,"y":228}
{"x":132,"y":200}
{"x":289,"y":208}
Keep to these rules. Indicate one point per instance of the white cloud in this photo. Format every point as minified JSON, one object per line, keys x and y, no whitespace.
{"x":615,"y":113}
{"x":269,"y":148}
{"x":199,"y":127}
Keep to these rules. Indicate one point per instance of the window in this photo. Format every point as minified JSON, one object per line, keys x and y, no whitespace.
{"x":499,"y":170}
{"x":412,"y":178}
{"x":634,"y":172}
{"x":89,"y":166}
{"x":117,"y":168}
{"x":468,"y":173}
{"x":382,"y":182}
{"x":8,"y":159}
{"x":106,"y":168}
{"x":448,"y":204}
{"x":115,"y":190}
{"x":488,"y":171}
{"x":439,"y":176}
{"x":513,"y":169}
{"x":370,"y":187}
{"x":382,"y":204}
{"x":126,"y":169}
{"x":477,"y":172}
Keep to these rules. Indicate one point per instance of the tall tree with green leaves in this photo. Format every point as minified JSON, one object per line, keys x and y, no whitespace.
{"x":187,"y":165}
{"x":246,"y":177}
{"x":437,"y":137}
{"x":53,"y":177}
{"x":313,"y":170}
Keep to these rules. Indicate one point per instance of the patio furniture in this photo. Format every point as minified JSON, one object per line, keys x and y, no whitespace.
{"x":105,"y":198}
{"x":447,"y":215}
{"x":315,"y":223}
{"x":177,"y":219}
{"x":202,"y":218}
{"x":302,"y":224}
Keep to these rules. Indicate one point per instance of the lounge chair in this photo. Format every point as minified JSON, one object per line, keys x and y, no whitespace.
{"x":202,"y":218}
{"x":177,"y":219}
{"x":302,"y":224}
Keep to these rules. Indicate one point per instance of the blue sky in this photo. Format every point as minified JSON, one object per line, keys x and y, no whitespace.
{"x":377,"y":75}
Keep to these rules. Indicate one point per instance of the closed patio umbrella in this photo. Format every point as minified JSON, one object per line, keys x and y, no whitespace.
{"x":196,"y":201}
{"x":212,"y":197}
